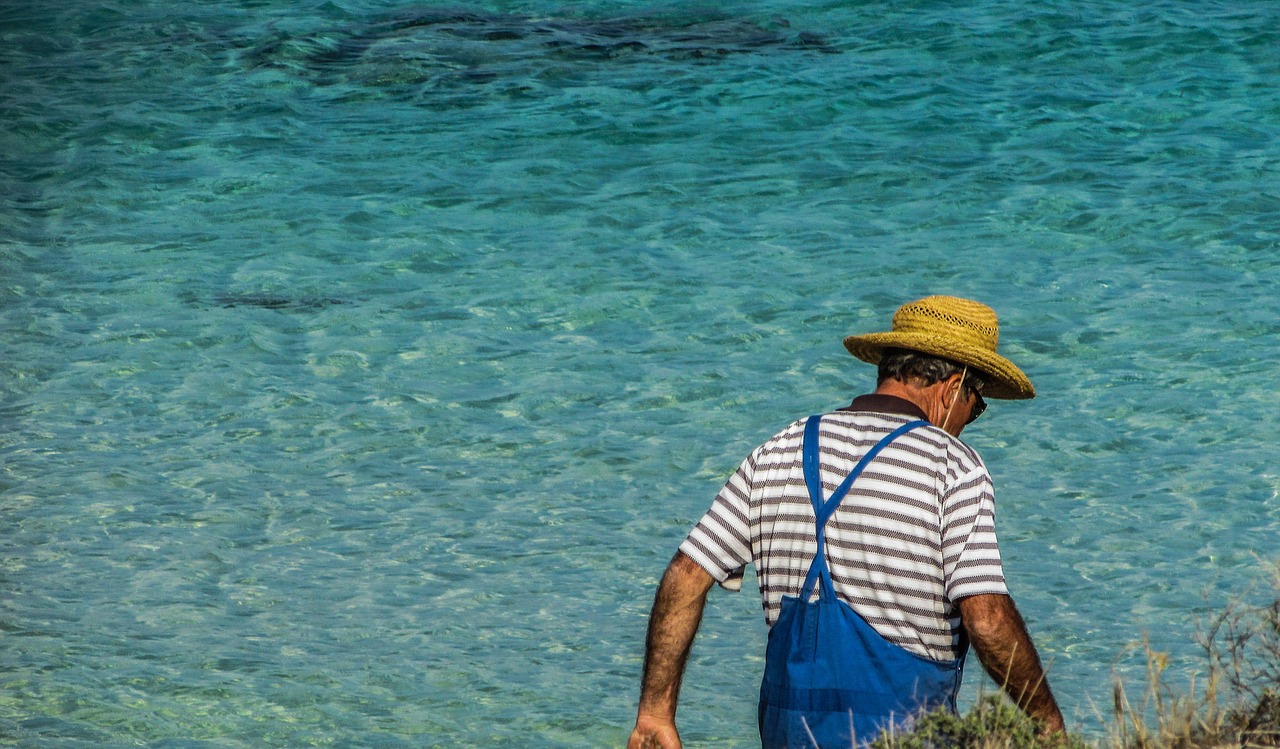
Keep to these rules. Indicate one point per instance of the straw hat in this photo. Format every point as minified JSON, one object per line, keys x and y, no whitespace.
{"x":956,"y":329}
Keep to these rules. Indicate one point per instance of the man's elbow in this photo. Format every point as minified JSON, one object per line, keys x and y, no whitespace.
{"x":990,"y":616}
{"x":687,"y":573}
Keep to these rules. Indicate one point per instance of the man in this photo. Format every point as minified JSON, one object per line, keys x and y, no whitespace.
{"x":906,"y":569}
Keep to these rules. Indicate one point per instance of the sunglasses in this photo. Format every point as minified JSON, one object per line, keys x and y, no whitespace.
{"x":979,"y":405}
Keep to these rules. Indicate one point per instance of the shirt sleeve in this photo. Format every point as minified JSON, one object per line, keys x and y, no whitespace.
{"x":970,"y":554}
{"x":721,"y":541}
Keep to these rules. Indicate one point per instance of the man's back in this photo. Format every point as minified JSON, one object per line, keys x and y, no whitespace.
{"x":915,"y":530}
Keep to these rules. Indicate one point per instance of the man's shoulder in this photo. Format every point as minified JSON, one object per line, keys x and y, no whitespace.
{"x":928,"y":441}
{"x":854,"y":427}
{"x":861,"y":426}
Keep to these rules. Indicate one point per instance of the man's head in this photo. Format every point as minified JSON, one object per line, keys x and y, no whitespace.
{"x":941,"y":354}
{"x":935,"y":384}
{"x":959,"y":331}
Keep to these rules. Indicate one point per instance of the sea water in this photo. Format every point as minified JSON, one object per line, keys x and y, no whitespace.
{"x":364,"y":363}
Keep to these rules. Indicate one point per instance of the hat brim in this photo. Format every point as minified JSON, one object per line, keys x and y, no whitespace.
{"x":1004,"y":380}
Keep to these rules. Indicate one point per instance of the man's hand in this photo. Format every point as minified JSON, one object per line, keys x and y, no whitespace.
{"x":651,"y":733}
{"x":677,"y":612}
{"x":1000,"y":637}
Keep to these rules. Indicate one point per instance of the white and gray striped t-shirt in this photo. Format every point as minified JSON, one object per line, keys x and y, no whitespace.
{"x":915,"y":533}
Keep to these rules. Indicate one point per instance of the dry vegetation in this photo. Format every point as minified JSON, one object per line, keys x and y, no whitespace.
{"x":1237,"y":703}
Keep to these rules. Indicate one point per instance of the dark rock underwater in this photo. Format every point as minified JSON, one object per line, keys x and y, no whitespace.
{"x":476,"y":46}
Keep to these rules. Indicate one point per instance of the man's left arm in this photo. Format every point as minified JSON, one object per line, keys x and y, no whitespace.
{"x":1004,"y":647}
{"x":975,"y":581}
{"x":677,"y":612}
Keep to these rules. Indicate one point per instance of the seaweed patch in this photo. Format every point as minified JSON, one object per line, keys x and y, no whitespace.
{"x":477,"y":46}
{"x":276,"y":302}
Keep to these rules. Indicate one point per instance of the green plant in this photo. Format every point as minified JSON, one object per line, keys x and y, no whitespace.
{"x":992,"y":723}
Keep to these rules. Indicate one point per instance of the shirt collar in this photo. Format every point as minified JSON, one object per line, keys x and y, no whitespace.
{"x":889,"y":404}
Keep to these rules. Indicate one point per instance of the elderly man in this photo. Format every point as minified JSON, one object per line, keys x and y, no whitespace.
{"x":872,"y":532}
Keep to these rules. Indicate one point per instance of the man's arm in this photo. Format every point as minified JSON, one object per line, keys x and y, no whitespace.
{"x":677,"y":612}
{"x":1005,"y":649}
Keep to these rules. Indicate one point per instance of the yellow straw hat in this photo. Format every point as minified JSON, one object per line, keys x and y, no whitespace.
{"x":957,"y":329}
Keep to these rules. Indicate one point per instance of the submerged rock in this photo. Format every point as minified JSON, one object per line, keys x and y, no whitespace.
{"x":276,"y":302}
{"x":479,"y":46}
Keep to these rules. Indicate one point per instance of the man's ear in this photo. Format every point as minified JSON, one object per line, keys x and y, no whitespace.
{"x":951,"y":387}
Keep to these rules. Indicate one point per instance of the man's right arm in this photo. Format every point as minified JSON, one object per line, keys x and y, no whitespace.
{"x":677,"y":612}
{"x":1004,"y":647}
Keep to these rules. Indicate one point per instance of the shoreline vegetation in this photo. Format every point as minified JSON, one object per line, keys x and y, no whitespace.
{"x":1237,"y":703}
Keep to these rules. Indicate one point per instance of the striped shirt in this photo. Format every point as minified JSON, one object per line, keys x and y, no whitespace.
{"x":915,"y":534}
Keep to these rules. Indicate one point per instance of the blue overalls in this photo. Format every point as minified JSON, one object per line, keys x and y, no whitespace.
{"x":830,"y":680}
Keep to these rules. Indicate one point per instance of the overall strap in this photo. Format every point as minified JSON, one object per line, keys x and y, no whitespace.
{"x":824,"y":509}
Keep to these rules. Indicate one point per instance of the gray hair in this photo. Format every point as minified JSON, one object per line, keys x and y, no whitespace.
{"x":905,"y":365}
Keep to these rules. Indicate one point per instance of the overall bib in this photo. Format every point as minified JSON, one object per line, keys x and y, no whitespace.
{"x":830,"y":680}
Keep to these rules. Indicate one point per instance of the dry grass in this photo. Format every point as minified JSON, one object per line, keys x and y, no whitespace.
{"x":1236,"y":705}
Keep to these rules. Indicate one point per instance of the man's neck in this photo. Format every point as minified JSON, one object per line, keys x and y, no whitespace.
{"x":887,"y":404}
{"x":919,"y":397}
{"x":932,"y":400}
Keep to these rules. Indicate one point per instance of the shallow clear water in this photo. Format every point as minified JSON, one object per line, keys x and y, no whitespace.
{"x":361,"y":375}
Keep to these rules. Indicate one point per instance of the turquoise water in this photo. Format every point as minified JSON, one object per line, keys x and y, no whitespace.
{"x":361,"y":375}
